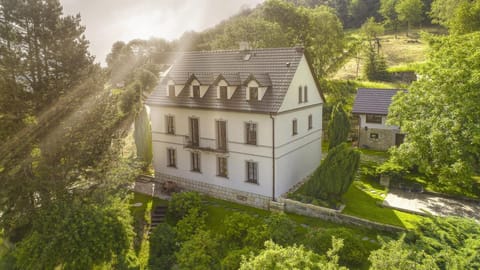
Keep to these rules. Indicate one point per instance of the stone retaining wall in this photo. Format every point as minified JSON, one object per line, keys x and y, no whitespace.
{"x":333,"y":215}
{"x":215,"y":191}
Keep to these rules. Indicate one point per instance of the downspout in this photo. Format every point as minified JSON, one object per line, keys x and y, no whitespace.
{"x":273,"y":156}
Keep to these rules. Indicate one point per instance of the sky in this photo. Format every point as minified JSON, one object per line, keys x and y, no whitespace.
{"x":107,"y":21}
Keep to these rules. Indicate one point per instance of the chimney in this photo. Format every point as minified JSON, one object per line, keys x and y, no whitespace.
{"x":244,"y":46}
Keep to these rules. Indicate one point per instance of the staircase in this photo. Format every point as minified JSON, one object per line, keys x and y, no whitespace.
{"x":158,"y":216}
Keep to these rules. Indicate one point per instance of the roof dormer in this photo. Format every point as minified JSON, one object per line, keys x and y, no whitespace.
{"x":196,"y":89}
{"x":227,"y":85}
{"x":255,"y":90}
{"x":173,"y":89}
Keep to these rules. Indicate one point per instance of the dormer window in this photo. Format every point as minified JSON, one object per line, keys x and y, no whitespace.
{"x":171,"y":90}
{"x":253,"y":93}
{"x":223,"y":92}
{"x":196,"y":91}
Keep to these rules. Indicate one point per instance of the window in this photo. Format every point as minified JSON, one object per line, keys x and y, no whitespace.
{"x":253,"y":93}
{"x":171,"y":90}
{"x":374,"y":118}
{"x":222,"y":166}
{"x":196,"y":91}
{"x":373,"y":135}
{"x":294,"y":127}
{"x":223,"y":92}
{"x":170,"y":124}
{"x":171,"y":158}
{"x":222,"y":135}
{"x":252,"y":172}
{"x":310,"y":122}
{"x":195,"y":161}
{"x":305,"y":94}
{"x":251,"y":130}
{"x":299,"y":94}
{"x":194,"y":135}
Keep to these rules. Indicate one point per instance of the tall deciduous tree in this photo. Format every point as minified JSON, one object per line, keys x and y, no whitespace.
{"x":440,"y":113}
{"x":336,"y":173}
{"x":338,"y":127}
{"x":388,"y":12}
{"x":410,"y":11}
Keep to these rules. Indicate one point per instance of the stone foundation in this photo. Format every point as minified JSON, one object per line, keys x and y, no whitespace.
{"x":377,"y":139}
{"x":215,"y":191}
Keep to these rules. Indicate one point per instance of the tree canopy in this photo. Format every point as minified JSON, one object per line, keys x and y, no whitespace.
{"x":440,"y":113}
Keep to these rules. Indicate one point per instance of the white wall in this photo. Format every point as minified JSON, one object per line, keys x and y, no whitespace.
{"x":302,"y":77}
{"x":383,"y":125}
{"x":238,"y":151}
{"x":297,"y":156}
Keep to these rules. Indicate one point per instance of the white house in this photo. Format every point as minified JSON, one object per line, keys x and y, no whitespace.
{"x":371,"y":106}
{"x":241,"y":125}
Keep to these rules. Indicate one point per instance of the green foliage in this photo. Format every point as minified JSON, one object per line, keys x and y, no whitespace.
{"x":410,"y":11}
{"x":388,"y":12}
{"x":397,"y":256}
{"x":200,"y":252}
{"x":352,"y":254}
{"x":394,"y":170}
{"x":441,"y":114}
{"x":143,"y":137}
{"x":281,"y":229}
{"x":182,"y":203}
{"x":162,"y":247}
{"x":237,"y":229}
{"x":190,"y":224}
{"x":375,"y":68}
{"x":292,"y":257}
{"x":76,"y":235}
{"x":233,"y":258}
{"x":466,"y":18}
{"x":335,"y":174}
{"x":452,"y":241}
{"x":130,"y":98}
{"x":318,"y":29}
{"x":338,"y":127}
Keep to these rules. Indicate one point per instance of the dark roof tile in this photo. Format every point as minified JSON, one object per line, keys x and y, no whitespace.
{"x":373,"y":101}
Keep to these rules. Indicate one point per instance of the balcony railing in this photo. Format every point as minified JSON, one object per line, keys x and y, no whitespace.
{"x":209,"y":145}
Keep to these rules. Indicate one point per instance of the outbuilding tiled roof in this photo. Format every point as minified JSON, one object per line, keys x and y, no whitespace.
{"x":271,"y":68}
{"x":373,"y":101}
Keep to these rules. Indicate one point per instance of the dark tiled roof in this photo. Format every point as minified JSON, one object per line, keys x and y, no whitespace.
{"x":373,"y":101}
{"x":267,"y":66}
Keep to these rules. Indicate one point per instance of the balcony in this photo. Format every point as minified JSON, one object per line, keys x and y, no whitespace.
{"x":203,"y":144}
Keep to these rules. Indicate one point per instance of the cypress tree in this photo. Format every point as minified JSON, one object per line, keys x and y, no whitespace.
{"x":143,"y":138}
{"x":336,"y":173}
{"x":338,"y":127}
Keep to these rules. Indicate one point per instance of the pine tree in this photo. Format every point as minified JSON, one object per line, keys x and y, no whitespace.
{"x":143,"y":138}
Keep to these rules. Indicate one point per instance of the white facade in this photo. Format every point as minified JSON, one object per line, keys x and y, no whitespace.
{"x":283,"y":158}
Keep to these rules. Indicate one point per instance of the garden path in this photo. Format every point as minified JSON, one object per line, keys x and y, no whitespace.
{"x":435,"y":205}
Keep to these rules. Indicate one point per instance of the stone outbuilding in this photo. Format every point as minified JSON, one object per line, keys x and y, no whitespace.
{"x":371,"y":106}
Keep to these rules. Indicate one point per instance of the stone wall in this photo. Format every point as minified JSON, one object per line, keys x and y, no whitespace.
{"x":385,"y":139}
{"x":336,"y":216}
{"x":215,"y":191}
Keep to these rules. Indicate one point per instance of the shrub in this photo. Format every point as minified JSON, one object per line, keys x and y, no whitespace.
{"x":234,"y":258}
{"x":181,"y":203}
{"x":237,"y":228}
{"x":200,"y":252}
{"x":190,"y":224}
{"x":353,"y":252}
{"x":162,"y":247}
{"x":281,"y":229}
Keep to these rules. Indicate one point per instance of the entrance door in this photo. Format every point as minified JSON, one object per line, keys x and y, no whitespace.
{"x":399,"y":137}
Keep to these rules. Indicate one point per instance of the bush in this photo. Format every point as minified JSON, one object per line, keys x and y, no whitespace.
{"x":190,"y":224}
{"x":181,"y":204}
{"x":130,"y":97}
{"x":395,"y":171}
{"x":281,"y":229}
{"x":234,"y":258}
{"x":237,"y":228}
{"x":200,"y":252}
{"x":353,"y":254}
{"x":162,"y":247}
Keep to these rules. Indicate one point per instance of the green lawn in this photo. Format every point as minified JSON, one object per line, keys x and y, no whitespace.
{"x":363,"y":199}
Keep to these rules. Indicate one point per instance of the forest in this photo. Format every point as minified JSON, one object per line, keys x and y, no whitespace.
{"x":74,"y":137}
